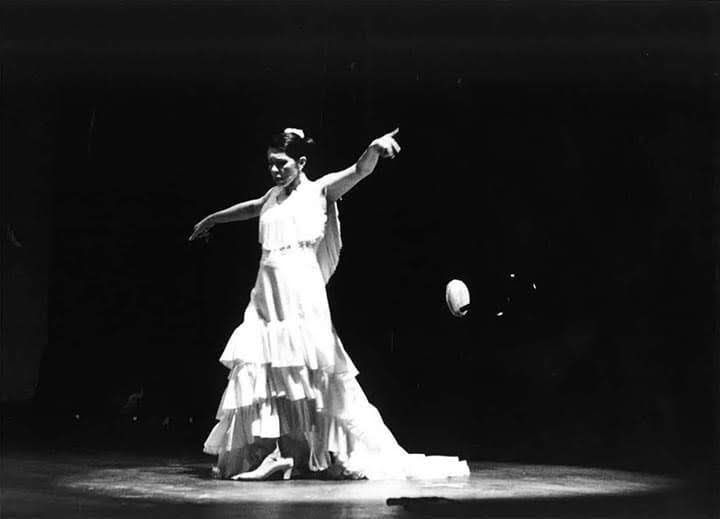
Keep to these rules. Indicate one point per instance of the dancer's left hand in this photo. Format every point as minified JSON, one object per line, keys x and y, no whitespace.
{"x":387,"y":146}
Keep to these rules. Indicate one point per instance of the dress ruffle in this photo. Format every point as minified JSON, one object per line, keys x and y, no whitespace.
{"x":263,"y":401}
{"x":308,"y":342}
{"x":329,"y":411}
{"x":328,"y":250}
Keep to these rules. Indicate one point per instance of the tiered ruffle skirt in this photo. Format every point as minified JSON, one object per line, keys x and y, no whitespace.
{"x":290,"y":376}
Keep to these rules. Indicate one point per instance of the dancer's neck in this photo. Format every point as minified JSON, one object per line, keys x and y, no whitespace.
{"x":287,"y":190}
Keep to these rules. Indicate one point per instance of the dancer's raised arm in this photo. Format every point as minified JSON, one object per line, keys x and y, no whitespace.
{"x":234,"y":213}
{"x":339,"y":183}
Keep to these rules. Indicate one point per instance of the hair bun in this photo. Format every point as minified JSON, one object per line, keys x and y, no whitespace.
{"x":292,"y":141}
{"x":296,"y":131}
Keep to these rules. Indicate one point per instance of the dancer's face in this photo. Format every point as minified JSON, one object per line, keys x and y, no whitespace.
{"x":283,"y":168}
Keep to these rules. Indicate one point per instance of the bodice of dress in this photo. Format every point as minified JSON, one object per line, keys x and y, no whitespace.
{"x":298,"y":220}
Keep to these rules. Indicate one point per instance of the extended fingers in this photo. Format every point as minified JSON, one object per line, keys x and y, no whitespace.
{"x":199,"y":232}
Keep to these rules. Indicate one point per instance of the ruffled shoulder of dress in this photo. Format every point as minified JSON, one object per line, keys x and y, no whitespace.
{"x":328,"y":251}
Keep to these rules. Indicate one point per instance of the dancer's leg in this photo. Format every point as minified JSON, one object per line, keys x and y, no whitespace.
{"x":297,"y":448}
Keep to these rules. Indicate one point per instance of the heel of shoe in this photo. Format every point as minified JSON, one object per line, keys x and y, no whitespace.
{"x":288,"y":471}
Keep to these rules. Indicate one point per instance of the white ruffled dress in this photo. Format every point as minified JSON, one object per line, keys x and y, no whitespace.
{"x":289,"y":372}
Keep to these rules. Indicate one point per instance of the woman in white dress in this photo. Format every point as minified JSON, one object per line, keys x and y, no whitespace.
{"x":292,"y":405}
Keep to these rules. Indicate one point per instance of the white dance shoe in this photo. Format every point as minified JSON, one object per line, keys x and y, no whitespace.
{"x":269,"y":466}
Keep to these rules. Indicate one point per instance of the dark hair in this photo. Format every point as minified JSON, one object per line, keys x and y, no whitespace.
{"x":292,"y":143}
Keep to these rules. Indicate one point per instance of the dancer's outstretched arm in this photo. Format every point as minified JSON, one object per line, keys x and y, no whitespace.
{"x":234,"y":213}
{"x":339,"y":183}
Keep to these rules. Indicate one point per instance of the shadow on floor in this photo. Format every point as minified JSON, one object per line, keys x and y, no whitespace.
{"x":686,"y":502}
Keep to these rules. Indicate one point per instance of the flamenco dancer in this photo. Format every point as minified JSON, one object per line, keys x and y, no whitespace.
{"x":293,"y":406}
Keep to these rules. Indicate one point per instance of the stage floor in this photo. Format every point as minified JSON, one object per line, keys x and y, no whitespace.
{"x":115,"y":484}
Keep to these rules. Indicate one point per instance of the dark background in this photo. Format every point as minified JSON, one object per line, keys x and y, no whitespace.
{"x":570,"y":144}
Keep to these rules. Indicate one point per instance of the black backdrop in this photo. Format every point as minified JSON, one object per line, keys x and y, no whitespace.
{"x":567,"y":144}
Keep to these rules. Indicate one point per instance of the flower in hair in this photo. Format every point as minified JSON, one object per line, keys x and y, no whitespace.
{"x":296,"y":131}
